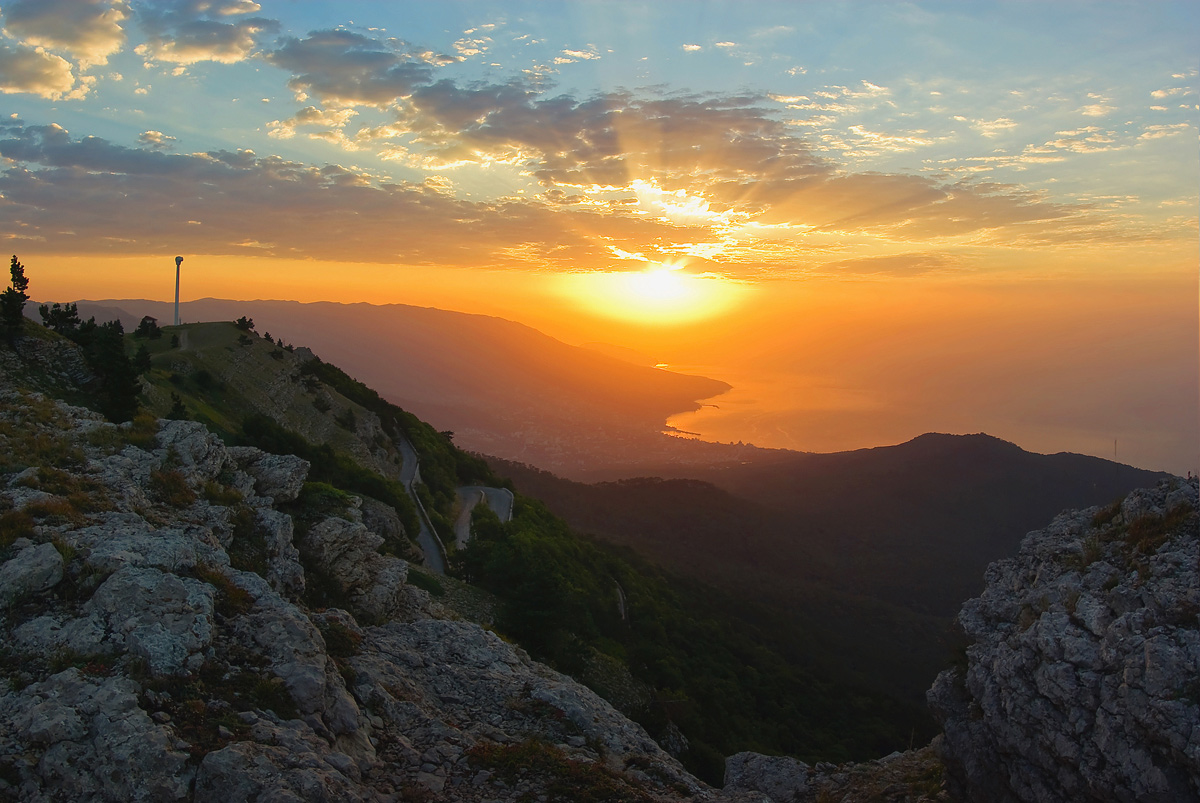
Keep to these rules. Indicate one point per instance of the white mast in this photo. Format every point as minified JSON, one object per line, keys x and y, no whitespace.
{"x":178,"y":262}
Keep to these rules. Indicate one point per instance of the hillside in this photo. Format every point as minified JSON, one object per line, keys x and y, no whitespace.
{"x":871,"y":552}
{"x":664,"y":651}
{"x":501,"y":387}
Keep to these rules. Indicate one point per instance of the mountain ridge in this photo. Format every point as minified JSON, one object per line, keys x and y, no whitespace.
{"x":500,"y":386}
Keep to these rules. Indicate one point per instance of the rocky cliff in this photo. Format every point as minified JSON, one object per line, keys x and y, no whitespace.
{"x":1082,"y":671}
{"x":162,"y":642}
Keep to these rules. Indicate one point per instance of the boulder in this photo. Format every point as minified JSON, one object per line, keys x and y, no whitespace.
{"x":278,"y":476}
{"x":782,"y":779}
{"x":32,"y":569}
{"x":163,"y":618}
{"x":199,"y":453}
{"x":348,"y":554}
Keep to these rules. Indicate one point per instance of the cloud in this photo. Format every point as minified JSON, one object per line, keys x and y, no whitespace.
{"x":157,"y":140}
{"x":692,"y":48}
{"x":467,"y":47}
{"x":329,"y":120}
{"x":88,"y":195}
{"x":25,"y":70}
{"x":1167,"y":93}
{"x":347,"y":68}
{"x":1089,"y":139}
{"x":911,"y":264}
{"x":87,"y":30}
{"x":1160,"y":131}
{"x":889,"y":142}
{"x":191,"y":31}
{"x":993,"y":128}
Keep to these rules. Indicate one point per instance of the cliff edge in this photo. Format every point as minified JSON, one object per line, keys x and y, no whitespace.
{"x":1082,"y":670}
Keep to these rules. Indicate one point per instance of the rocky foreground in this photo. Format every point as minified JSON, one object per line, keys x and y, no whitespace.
{"x":188,"y":621}
{"x":159,"y":644}
{"x":1082,"y":674}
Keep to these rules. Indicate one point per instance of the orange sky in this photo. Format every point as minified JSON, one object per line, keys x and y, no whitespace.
{"x":1067,"y":362}
{"x":873,"y":219}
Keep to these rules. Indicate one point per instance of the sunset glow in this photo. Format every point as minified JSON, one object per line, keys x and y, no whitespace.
{"x":873,"y":219}
{"x":657,"y":296}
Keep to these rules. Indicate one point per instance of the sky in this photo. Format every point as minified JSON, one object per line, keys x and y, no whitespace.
{"x":874,"y":219}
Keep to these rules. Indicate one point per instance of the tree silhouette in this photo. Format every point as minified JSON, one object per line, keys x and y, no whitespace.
{"x":62,"y":318}
{"x":12,"y":300}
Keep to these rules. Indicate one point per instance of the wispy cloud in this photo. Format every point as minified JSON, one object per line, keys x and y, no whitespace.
{"x":1161,"y":131}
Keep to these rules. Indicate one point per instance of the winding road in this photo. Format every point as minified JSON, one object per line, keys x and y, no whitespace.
{"x":410,"y":473}
{"x":500,"y":500}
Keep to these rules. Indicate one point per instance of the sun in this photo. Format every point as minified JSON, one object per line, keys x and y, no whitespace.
{"x":662,"y":286}
{"x":660,"y":294}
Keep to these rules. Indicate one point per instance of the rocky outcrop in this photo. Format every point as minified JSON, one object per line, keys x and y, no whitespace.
{"x":782,"y":779}
{"x":1082,"y":675}
{"x":914,"y":776}
{"x":162,"y":640}
{"x":347,"y":555}
{"x":278,"y":476}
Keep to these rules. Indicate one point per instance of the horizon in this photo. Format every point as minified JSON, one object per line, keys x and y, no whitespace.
{"x":874,"y":221}
{"x":597,"y":349}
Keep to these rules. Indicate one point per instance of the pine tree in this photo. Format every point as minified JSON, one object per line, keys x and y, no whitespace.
{"x":62,"y":318}
{"x":12,"y":301}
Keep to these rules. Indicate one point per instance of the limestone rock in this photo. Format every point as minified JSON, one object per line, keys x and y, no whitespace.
{"x":116,"y":540}
{"x":347,"y":553}
{"x":89,"y":740}
{"x":199,"y":453}
{"x":161,"y":617}
{"x":278,"y":476}
{"x":1081,"y":677}
{"x":783,"y":779}
{"x":33,"y":569}
{"x":284,"y":571}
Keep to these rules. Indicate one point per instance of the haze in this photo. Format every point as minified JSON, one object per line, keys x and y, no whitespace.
{"x":873,"y":220}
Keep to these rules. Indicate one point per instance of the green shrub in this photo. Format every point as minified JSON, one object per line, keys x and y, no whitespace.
{"x":15,"y":524}
{"x":231,"y":599}
{"x":219,"y":494}
{"x":170,"y":487}
{"x":426,"y":582}
{"x":564,"y":778}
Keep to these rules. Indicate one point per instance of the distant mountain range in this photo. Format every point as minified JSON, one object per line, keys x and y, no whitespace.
{"x":870,"y":551}
{"x":501,"y":387}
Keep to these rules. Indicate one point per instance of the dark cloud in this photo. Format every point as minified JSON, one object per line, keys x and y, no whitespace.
{"x":86,"y":195}
{"x":608,"y":140}
{"x":190,"y":31}
{"x":347,"y":68}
